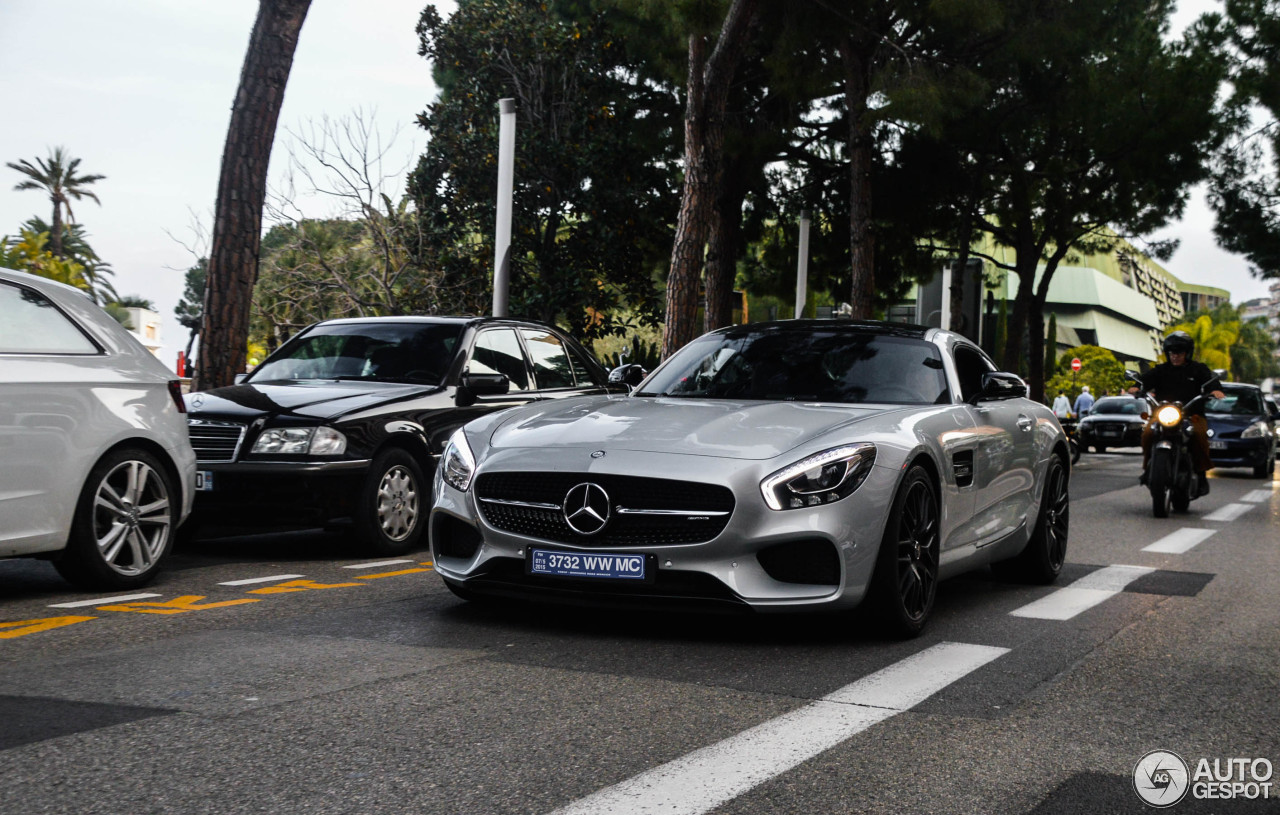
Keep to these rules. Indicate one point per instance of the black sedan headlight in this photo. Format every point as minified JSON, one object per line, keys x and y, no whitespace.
{"x":819,"y":479}
{"x":300,"y":441}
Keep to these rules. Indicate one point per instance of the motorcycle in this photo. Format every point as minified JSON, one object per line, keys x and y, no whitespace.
{"x":1170,"y":476}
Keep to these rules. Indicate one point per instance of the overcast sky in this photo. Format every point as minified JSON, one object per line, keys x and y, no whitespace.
{"x":141,"y":91}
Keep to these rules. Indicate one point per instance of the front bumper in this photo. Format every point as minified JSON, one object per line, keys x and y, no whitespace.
{"x":271,"y":496}
{"x":1129,"y":436}
{"x":732,"y":571}
{"x":1254,"y":452}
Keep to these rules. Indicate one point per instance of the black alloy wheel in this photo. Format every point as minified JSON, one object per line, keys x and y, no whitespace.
{"x":1046,"y":550}
{"x":905,"y":582}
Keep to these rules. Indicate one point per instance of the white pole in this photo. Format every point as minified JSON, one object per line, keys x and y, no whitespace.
{"x":945,"y":322}
{"x":802,"y":264}
{"x":506,"y":179}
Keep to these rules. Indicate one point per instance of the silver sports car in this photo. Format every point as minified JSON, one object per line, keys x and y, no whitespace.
{"x":797,"y":465}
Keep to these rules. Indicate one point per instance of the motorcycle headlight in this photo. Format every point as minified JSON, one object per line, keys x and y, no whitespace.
{"x":819,"y":479}
{"x":292,"y":441}
{"x":1256,"y":430}
{"x":1169,"y":416}
{"x":458,"y":463}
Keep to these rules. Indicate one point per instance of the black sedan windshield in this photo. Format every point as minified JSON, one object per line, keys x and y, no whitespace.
{"x":817,"y":366}
{"x":386,"y":351}
{"x":1123,"y":406}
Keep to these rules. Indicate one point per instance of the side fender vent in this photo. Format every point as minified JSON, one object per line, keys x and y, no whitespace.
{"x":962,"y":467}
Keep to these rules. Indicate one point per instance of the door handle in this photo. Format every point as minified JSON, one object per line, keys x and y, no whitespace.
{"x":1025,"y":423}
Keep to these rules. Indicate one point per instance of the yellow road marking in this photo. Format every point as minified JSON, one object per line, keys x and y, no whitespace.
{"x":391,"y":574}
{"x":301,"y":585}
{"x":178,"y":605}
{"x":22,"y":628}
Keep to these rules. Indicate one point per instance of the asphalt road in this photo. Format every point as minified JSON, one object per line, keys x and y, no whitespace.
{"x":340,"y":684}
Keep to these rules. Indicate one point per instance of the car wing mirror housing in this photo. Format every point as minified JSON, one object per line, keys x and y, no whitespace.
{"x":473,"y":385}
{"x":1001,"y":385}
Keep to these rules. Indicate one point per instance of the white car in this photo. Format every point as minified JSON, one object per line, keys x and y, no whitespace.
{"x":96,"y":467}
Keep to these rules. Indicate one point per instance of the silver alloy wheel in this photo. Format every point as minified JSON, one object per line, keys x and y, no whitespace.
{"x":131,"y":518}
{"x":397,"y":503}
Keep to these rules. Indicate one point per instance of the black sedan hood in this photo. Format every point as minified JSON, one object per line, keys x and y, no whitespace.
{"x":323,"y":400}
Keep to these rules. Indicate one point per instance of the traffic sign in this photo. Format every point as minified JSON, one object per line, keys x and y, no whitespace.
{"x":1075,"y":364}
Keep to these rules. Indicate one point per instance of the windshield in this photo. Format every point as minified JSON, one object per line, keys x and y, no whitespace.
{"x":805,"y":365}
{"x":1241,"y":403}
{"x":388,"y":352}
{"x":1127,"y":407}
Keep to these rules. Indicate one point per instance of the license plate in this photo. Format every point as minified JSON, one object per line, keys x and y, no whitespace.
{"x":204,"y":480}
{"x":601,"y":565}
{"x":1217,"y":445}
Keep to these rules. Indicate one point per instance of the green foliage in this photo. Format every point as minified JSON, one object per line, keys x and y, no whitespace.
{"x":190,"y":308}
{"x":1099,"y":369}
{"x":28,"y":253}
{"x":75,"y":247}
{"x":59,"y":178}
{"x":594,"y":187}
{"x":1213,"y":339}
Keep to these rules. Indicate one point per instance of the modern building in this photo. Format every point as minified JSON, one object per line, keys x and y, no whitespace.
{"x":145,"y":325}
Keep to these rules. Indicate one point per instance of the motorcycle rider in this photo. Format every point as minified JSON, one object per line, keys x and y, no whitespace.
{"x":1181,"y":379}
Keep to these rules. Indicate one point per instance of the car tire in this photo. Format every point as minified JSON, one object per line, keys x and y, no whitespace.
{"x":1040,"y":562}
{"x":124,"y":523}
{"x":905,"y":581}
{"x":394,"y":500}
{"x":1161,"y":483}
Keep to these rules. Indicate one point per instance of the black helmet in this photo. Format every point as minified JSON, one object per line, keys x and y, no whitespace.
{"x":1179,"y":341}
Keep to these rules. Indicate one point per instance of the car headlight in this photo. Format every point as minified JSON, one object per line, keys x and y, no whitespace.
{"x":458,"y":463}
{"x":293,"y":441}
{"x":819,"y":479}
{"x":1169,"y":416}
{"x":1256,"y":430}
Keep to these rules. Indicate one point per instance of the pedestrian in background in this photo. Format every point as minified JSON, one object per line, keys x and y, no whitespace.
{"x":1084,"y":402}
{"x":1062,"y":406}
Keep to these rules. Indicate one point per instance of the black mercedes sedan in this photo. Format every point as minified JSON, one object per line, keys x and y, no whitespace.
{"x":342,"y":426}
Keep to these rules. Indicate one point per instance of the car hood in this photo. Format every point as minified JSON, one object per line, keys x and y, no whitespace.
{"x":1233,"y":421}
{"x":739,"y":430}
{"x":322,"y":400}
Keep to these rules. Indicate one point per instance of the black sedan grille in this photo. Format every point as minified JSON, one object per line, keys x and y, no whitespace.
{"x":215,"y":442}
{"x":643,"y":511}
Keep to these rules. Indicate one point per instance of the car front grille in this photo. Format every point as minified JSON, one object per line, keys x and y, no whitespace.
{"x":643,"y":511}
{"x":215,"y":441}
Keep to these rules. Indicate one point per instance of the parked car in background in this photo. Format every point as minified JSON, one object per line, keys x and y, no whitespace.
{"x":1241,"y":433}
{"x":787,"y":466}
{"x":341,"y":427}
{"x":96,"y":471}
{"x":1114,"y":421}
{"x":1273,"y":410}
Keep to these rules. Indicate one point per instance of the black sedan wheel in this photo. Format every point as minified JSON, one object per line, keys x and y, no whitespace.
{"x":905,"y":581}
{"x":393,"y":504}
{"x":1041,"y":561}
{"x":123,"y":525}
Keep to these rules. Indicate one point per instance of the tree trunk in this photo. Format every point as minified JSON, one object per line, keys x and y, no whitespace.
{"x":861,"y":238}
{"x":722,"y":253}
{"x":55,"y":230}
{"x":708,"y":89}
{"x":242,"y":185}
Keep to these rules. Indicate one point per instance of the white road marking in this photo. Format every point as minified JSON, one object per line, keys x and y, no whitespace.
{"x":1257,"y":496}
{"x":1184,"y":540}
{"x":102,"y":601}
{"x":377,"y":565}
{"x":1083,"y":594}
{"x":1228,"y":512}
{"x":708,"y":777}
{"x":275,"y":578}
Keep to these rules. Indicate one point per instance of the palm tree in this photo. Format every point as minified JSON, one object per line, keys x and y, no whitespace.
{"x":58,"y":178}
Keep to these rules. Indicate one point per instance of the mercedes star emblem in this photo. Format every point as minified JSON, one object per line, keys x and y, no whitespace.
{"x":586,"y":508}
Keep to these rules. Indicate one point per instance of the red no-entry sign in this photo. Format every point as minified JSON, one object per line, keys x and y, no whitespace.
{"x":1075,"y":364}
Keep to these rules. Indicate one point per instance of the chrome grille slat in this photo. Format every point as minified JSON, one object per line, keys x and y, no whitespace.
{"x":215,"y":442}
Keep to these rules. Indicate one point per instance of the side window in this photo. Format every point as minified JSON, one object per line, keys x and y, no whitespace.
{"x":970,"y":366}
{"x":498,"y":351}
{"x":580,"y":372}
{"x":31,"y":324}
{"x":551,"y":368}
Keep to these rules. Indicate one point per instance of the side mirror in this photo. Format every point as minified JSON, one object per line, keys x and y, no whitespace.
{"x":629,"y":375}
{"x":1001,"y":385}
{"x":486,"y":384}
{"x":1132,"y":376}
{"x":240,"y":378}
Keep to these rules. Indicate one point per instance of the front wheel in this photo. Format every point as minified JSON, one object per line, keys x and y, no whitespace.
{"x":393,"y":502}
{"x":1160,"y":482}
{"x":905,"y":581}
{"x":123,"y":525}
{"x":1041,"y":561}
